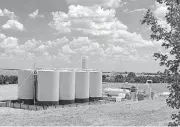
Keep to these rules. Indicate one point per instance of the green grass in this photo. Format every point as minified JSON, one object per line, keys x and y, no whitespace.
{"x":126,"y":113}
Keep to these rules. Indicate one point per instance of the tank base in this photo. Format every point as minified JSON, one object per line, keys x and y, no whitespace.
{"x":64,"y":102}
{"x":95,"y":98}
{"x":26,"y":101}
{"x":47,"y":103}
{"x":84,"y":100}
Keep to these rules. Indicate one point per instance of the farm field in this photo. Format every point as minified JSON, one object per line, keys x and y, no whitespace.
{"x":126,"y":113}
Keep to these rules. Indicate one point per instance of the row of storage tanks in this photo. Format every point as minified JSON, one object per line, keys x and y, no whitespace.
{"x":59,"y":87}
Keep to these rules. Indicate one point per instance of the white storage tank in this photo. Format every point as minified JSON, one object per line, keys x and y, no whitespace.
{"x":81,"y":86}
{"x":26,"y":86}
{"x":95,"y":85}
{"x":48,"y":87}
{"x":66,"y":87}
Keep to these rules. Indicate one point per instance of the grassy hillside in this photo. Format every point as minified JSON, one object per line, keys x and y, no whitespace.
{"x":129,"y":113}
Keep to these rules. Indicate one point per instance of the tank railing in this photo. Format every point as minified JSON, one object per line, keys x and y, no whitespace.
{"x":63,"y":69}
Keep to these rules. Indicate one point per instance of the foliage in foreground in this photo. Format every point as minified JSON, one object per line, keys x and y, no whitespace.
{"x":171,"y":43}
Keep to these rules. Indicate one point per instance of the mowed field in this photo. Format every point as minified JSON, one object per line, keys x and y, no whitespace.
{"x":126,"y":113}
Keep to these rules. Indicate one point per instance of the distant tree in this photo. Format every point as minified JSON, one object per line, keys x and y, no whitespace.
{"x":1,"y":79}
{"x":131,"y":77}
{"x":140,"y":79}
{"x":119,"y":78}
{"x":6,"y":79}
{"x":104,"y":78}
{"x":13,"y":79}
{"x":156,"y":79}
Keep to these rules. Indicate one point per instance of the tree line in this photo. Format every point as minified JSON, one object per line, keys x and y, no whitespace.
{"x":5,"y":79}
{"x":132,"y":78}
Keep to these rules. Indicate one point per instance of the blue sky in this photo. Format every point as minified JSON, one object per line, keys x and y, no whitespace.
{"x":57,"y":33}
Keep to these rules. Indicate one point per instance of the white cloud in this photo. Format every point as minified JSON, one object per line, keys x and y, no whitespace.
{"x":42,"y":48}
{"x":57,"y":42}
{"x":60,"y":22}
{"x":164,"y":24}
{"x":114,"y":25}
{"x":104,"y":3}
{"x":67,"y":49}
{"x":96,"y":13}
{"x":13,"y":24}
{"x":36,"y":14}
{"x":83,"y":45}
{"x":104,"y":34}
{"x":95,"y":32}
{"x":59,"y":16}
{"x":136,"y":10}
{"x":30,"y":44}
{"x":81,"y":18}
{"x":131,"y":39}
{"x":7,"y":13}
{"x":80,"y":41}
{"x":61,"y":26}
{"x":126,"y":10}
{"x":11,"y":47}
{"x":114,"y":4}
{"x":32,"y":49}
{"x":9,"y":42}
{"x":160,"y":11}
{"x":2,"y":36}
{"x":63,"y":57}
{"x":1,"y":13}
{"x":114,"y":51}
